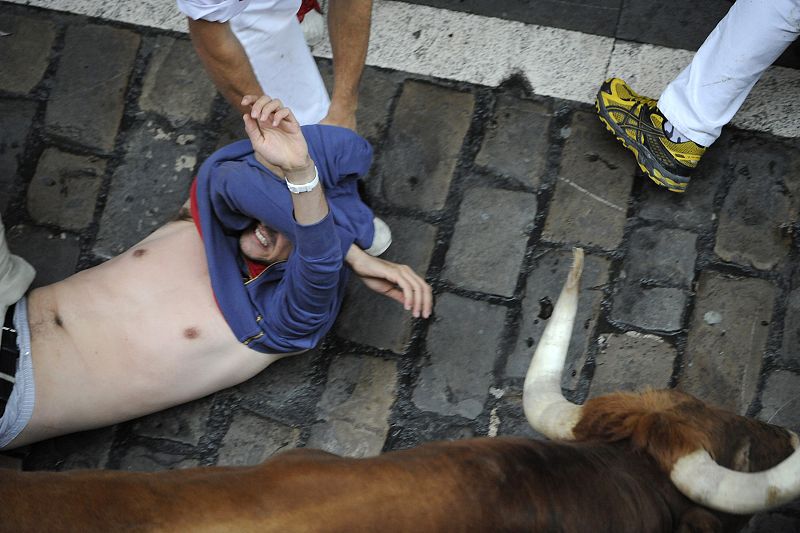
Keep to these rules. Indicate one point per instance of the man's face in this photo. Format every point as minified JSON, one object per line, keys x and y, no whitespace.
{"x":264,"y":245}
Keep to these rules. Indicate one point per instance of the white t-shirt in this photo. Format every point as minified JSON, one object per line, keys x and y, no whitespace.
{"x":274,"y":43}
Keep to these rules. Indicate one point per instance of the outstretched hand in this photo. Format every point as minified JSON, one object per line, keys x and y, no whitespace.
{"x":396,"y":281}
{"x":275,"y":133}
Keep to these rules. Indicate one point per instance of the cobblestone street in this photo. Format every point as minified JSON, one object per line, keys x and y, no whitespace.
{"x":486,"y":189}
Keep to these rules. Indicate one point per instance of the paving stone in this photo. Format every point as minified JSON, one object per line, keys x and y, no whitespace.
{"x":88,"y":95}
{"x":489,"y":240}
{"x":148,"y":188}
{"x":790,"y":349}
{"x":589,"y":16}
{"x":780,"y":403}
{"x":774,"y":522}
{"x":757,"y":206}
{"x":17,"y":117}
{"x":176,"y":84}
{"x":370,"y":318}
{"x":86,"y":449}
{"x":677,"y":24}
{"x":632,"y":362}
{"x":661,"y":254}
{"x":53,"y":254}
{"x":24,"y":53}
{"x":511,"y":417}
{"x":376,"y":93}
{"x":727,"y":338}
{"x":516,"y":140}
{"x":693,"y":209}
{"x":591,"y":195}
{"x":142,"y":459}
{"x":355,"y":406}
{"x":64,"y":190}
{"x":231,"y":128}
{"x":462,"y":343}
{"x":252,"y":439}
{"x":184,"y":423}
{"x":542,"y":288}
{"x":652,"y":308}
{"x":284,"y":391}
{"x":418,"y":161}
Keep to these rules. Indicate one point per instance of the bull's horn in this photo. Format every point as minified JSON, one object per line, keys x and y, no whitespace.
{"x":705,"y":482}
{"x":546,"y":409}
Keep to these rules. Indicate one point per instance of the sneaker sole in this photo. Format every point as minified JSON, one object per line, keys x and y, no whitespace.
{"x":649,"y":165}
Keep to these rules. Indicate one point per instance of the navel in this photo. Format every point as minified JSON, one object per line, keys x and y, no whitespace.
{"x":58,"y":321}
{"x":191,"y":333}
{"x":140,"y":252}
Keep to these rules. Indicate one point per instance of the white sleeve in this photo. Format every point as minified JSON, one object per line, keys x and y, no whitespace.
{"x":212,"y":10}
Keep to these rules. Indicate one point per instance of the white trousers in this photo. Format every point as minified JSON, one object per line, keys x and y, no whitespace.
{"x":709,"y":92}
{"x":16,"y":275}
{"x":282,"y":62}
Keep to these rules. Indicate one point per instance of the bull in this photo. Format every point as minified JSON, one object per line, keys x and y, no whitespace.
{"x":656,"y":461}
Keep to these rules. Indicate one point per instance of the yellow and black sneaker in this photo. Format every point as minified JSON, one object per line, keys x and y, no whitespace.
{"x":636,"y":121}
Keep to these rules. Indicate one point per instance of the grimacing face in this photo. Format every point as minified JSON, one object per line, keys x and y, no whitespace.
{"x":263,"y":244}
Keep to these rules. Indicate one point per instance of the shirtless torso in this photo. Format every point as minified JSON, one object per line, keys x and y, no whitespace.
{"x":134,"y":335}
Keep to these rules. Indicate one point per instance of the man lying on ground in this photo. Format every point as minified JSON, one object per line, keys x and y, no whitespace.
{"x":179,"y":316}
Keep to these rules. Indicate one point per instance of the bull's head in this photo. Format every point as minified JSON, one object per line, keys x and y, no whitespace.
{"x":688,"y":439}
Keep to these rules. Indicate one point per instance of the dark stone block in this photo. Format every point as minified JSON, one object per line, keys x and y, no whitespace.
{"x":677,"y":24}
{"x":662,"y":255}
{"x":419,"y":158}
{"x":16,"y":117}
{"x":54,"y":255}
{"x":24,"y":53}
{"x":88,"y":95}
{"x":516,"y":140}
{"x":462,"y":343}
{"x":489,"y":241}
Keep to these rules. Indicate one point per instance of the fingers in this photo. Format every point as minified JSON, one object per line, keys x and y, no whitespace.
{"x":417,"y":294}
{"x":269,"y":111}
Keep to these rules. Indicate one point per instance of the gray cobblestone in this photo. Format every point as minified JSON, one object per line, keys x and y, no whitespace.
{"x":661,"y":254}
{"x":355,"y":406}
{"x":373,"y":319}
{"x":64,"y":190}
{"x":281,"y":392}
{"x":632,"y":362}
{"x":87,"y":449}
{"x":147,"y":188}
{"x":489,"y":241}
{"x":142,"y":459}
{"x":462,"y":343}
{"x":54,"y":255}
{"x":790,"y":349}
{"x":251,"y":440}
{"x":693,"y":209}
{"x":545,"y":282}
{"x":176,"y":84}
{"x":723,"y":358}
{"x":774,"y":522}
{"x":591,"y":196}
{"x":653,"y":308}
{"x":780,"y":402}
{"x":8,"y":462}
{"x":510,"y":415}
{"x":516,"y":141}
{"x":24,"y":53}
{"x":184,"y":423}
{"x":87,"y":100}
{"x":423,"y":146}
{"x":17,"y":117}
{"x":756,"y":207}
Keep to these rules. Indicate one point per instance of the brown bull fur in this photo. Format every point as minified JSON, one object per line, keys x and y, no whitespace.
{"x":613,"y":479}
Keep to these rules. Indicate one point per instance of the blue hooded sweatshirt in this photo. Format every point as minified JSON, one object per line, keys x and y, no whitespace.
{"x":291,"y":305}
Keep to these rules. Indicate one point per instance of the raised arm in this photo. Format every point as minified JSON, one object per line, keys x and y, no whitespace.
{"x":225,"y":61}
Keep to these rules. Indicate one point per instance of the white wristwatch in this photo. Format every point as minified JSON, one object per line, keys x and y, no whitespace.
{"x":304,"y":187}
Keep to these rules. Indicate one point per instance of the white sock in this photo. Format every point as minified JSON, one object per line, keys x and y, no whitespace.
{"x":673,"y":134}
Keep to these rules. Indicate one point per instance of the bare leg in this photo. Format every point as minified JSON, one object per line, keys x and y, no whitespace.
{"x":348,"y":25}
